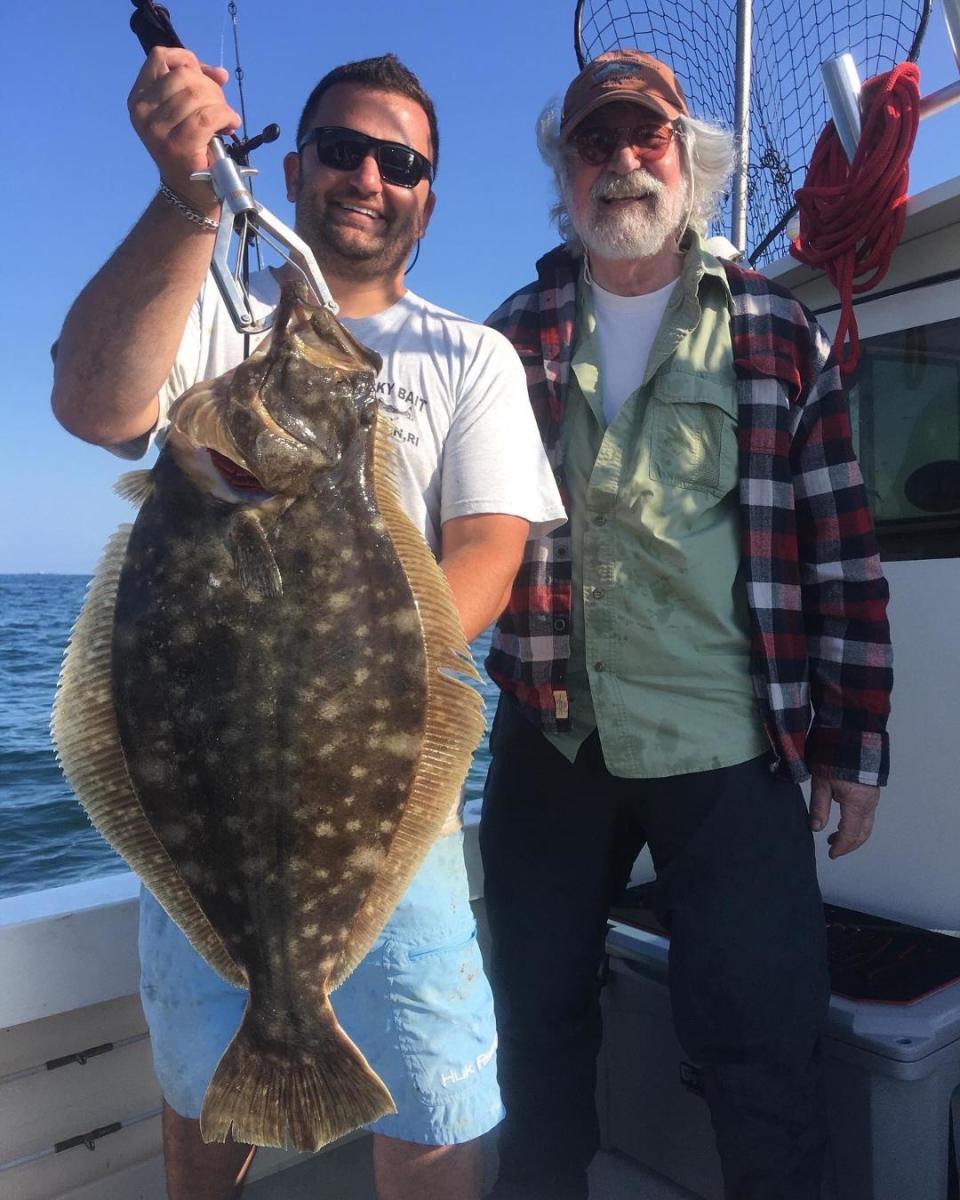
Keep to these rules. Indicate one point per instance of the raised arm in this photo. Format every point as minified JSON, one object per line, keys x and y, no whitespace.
{"x":120,"y":338}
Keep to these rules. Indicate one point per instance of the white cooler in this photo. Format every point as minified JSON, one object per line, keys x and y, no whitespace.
{"x":891,"y":1071}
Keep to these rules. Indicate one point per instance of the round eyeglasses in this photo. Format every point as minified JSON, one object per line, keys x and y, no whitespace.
{"x":598,"y":144}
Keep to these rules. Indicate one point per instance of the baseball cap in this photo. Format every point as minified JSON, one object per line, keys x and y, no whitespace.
{"x":628,"y":75}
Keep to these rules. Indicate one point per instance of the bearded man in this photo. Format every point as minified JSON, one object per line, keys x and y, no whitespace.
{"x":706,"y":631}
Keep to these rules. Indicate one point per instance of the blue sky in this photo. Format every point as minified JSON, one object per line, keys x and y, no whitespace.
{"x":75,"y":179}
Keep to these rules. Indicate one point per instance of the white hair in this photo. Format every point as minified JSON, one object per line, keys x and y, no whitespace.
{"x":706,"y":153}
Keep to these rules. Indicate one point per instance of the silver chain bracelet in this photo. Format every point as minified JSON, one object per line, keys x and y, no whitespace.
{"x":184,"y":208}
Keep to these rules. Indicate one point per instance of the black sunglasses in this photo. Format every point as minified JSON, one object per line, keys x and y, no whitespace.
{"x":345,"y":149}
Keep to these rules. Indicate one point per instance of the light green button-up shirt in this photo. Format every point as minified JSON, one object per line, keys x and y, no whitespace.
{"x":659,"y":643}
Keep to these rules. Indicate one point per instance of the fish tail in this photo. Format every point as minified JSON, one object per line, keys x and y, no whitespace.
{"x":265,"y":1095}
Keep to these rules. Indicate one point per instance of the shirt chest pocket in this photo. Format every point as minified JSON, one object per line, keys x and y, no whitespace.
{"x":692,"y":423}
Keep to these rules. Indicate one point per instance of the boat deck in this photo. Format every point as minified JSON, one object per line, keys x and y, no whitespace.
{"x":347,"y":1174}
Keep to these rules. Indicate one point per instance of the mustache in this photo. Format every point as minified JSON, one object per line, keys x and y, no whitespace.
{"x":623,"y":187}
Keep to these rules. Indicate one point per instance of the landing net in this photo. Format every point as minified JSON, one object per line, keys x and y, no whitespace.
{"x":788,"y":108}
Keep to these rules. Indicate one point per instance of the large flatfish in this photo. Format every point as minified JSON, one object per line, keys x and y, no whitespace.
{"x":260,"y":709}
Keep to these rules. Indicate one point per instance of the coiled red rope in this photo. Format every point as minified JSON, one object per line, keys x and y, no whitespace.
{"x":852,"y":214}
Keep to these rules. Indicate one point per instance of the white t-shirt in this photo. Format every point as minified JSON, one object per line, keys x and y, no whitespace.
{"x":453,"y":391}
{"x":626,"y":328}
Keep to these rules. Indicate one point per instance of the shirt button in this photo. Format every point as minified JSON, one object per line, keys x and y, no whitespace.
{"x":598,"y":593}
{"x":559,"y":625}
{"x":598,"y":666}
{"x":600,"y":519}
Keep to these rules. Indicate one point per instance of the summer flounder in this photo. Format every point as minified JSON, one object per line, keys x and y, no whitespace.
{"x":260,"y":710}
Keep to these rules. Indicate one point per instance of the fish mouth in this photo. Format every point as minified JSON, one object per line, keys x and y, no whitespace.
{"x":235,"y":476}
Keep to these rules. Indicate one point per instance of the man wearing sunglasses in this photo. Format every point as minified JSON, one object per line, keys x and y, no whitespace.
{"x":707,"y":631}
{"x":146,"y":328}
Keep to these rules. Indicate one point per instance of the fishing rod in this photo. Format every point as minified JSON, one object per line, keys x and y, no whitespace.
{"x":241,"y":216}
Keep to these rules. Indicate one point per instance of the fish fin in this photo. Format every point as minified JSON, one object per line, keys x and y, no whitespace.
{"x":135,"y":486}
{"x":454,"y":718}
{"x":268,"y":1097}
{"x":256,"y":566}
{"x":83,"y":726}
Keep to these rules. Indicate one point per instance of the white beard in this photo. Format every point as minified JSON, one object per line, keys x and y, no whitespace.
{"x":636,"y":231}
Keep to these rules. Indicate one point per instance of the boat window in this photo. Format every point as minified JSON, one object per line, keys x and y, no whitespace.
{"x":905,"y":412}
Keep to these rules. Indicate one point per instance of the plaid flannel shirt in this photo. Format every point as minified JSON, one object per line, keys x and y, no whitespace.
{"x":820,"y":643}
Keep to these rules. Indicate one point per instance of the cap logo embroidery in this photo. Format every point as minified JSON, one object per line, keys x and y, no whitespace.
{"x":612,"y":70}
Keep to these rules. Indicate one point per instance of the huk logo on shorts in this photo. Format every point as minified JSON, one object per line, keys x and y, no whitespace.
{"x":471,"y":1068}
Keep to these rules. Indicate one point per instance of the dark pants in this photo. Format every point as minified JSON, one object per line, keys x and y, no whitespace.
{"x":736,"y":885}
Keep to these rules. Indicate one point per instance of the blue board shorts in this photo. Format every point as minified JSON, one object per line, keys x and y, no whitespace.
{"x":419,"y":1007}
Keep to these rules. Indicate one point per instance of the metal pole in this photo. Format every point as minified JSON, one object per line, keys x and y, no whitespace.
{"x":937,"y":101}
{"x":841,"y":82}
{"x":738,"y":219}
{"x":951,"y":14}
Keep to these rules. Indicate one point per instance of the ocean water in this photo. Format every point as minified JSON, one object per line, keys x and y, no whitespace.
{"x":45,"y":837}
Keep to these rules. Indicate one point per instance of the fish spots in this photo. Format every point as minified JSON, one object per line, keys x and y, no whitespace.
{"x":330,"y":746}
{"x":310,"y":931}
{"x":407,"y":620}
{"x":381,"y":705}
{"x":152,"y":771}
{"x":176,"y":834}
{"x":184,"y":634}
{"x":324,"y":829}
{"x":387,"y":826}
{"x":321,"y":873}
{"x":338,"y":601}
{"x":362,"y":631}
{"x":366,"y":858}
{"x":358,"y":771}
{"x":352,"y":826}
{"x":191,"y":871}
{"x":346,"y":554}
{"x":331,"y":709}
{"x":361,"y":675}
{"x":404,"y":745}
